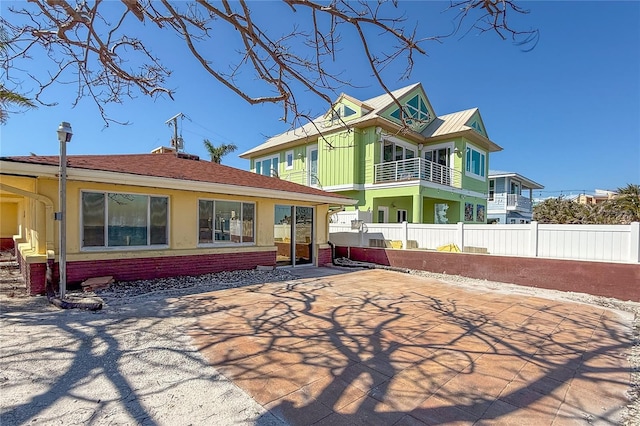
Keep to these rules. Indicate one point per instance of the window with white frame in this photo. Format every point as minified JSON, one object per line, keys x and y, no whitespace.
{"x":267,"y":166}
{"x":289,"y":160}
{"x":401,"y":215}
{"x":492,"y":189}
{"x":475,"y":162}
{"x":226,"y":222}
{"x":111,"y":219}
{"x":440,"y":154}
{"x":396,"y":151}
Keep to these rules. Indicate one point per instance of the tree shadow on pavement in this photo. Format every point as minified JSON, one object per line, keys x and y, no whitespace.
{"x":374,"y":351}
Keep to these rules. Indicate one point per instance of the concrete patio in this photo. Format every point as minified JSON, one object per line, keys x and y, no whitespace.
{"x":381,"y":347}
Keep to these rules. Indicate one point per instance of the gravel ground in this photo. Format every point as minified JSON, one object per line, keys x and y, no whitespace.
{"x":41,"y":372}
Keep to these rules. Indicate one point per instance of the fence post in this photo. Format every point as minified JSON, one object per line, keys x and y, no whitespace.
{"x":533,"y":239}
{"x":460,"y":236}
{"x":634,"y":241}
{"x":405,"y":234}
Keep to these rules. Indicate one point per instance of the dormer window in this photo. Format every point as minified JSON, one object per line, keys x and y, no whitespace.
{"x":416,"y":113}
{"x":339,"y":113}
{"x":477,"y":127}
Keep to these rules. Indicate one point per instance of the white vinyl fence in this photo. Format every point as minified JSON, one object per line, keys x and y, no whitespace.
{"x":606,"y":243}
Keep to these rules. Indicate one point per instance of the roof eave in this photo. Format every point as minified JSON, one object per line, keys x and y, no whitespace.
{"x":372,"y":121}
{"x":109,"y":177}
{"x":471,"y":135}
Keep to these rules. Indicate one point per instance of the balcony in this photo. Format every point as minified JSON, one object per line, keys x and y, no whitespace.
{"x":510,"y":202}
{"x":417,"y":169}
{"x":301,"y":177}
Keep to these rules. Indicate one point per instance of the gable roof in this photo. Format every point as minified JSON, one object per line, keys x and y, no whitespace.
{"x":171,"y":171}
{"x":443,"y":126}
{"x":493,"y":174}
{"x":315,"y":127}
{"x":455,"y":123}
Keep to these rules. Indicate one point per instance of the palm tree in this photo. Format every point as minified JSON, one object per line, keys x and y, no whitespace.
{"x":217,"y":152}
{"x":627,"y":203}
{"x":9,"y":98}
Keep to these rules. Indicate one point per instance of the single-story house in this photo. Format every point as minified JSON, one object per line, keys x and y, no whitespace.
{"x":162,"y":214}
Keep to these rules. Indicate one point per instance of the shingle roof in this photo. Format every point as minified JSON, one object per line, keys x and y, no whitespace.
{"x":313,"y":128}
{"x":171,"y":166}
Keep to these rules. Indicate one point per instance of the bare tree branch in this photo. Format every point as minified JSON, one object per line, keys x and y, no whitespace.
{"x":97,"y":46}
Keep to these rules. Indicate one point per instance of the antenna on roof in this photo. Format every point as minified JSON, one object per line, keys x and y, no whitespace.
{"x":176,"y":141}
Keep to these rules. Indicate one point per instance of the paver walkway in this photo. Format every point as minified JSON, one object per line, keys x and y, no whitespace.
{"x":380,"y":347}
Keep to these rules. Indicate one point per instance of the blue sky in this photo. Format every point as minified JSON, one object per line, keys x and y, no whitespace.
{"x":566,"y":113}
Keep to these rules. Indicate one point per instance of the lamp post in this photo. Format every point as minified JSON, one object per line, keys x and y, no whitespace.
{"x":64,"y":136}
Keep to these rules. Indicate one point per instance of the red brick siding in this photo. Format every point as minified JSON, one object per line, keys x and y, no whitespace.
{"x":162,"y":267}
{"x":6,"y":244}
{"x":146,"y":268}
{"x":618,"y":280}
{"x":324,"y":256}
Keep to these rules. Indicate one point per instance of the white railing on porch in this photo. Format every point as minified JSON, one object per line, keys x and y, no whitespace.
{"x":504,"y":201}
{"x":605,"y":243}
{"x":417,"y":169}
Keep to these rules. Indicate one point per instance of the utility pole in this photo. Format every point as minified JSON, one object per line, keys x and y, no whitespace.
{"x":176,"y":141}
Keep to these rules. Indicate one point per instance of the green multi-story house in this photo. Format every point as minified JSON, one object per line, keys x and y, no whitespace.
{"x":400,"y":164}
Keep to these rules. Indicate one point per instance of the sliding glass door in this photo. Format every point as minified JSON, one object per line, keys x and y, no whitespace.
{"x":293,"y":235}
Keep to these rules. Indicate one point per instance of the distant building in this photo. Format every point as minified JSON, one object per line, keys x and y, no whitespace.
{"x":599,"y":196}
{"x":510,"y":198}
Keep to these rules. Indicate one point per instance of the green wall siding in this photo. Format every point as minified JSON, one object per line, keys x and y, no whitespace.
{"x":336,"y":159}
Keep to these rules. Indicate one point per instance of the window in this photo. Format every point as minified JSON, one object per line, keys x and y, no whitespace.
{"x":415,"y":112}
{"x":289,"y":160}
{"x":338,"y":114}
{"x":441,"y":173}
{"x":401,"y":215}
{"x":439,"y":155}
{"x":121,"y":220}
{"x":225,"y":222}
{"x":475,"y":162}
{"x":515,"y":188}
{"x":477,"y":127}
{"x":492,"y":189}
{"x":267,"y":166}
{"x":393,"y":151}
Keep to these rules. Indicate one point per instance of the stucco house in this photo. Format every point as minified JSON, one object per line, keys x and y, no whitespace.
{"x":155,"y":215}
{"x":510,"y":199}
{"x":432,"y":169}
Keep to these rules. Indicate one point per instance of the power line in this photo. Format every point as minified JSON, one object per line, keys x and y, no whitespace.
{"x":220,"y":136}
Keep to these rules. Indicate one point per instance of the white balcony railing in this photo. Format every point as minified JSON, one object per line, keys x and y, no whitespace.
{"x":417,"y":169}
{"x":302,"y":177}
{"x":504,"y":201}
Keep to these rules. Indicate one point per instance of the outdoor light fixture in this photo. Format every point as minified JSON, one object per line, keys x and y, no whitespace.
{"x":64,"y":136}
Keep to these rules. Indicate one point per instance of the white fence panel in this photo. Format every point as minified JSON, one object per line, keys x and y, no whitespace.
{"x":431,"y":236}
{"x":343,"y":235}
{"x":381,"y":231}
{"x":347,"y":216}
{"x":510,"y":240}
{"x":585,"y":242}
{"x":606,"y":243}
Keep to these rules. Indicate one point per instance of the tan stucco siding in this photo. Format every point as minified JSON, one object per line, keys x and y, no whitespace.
{"x":8,"y":219}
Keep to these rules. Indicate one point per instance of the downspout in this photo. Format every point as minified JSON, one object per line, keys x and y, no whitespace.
{"x":51,"y":255}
